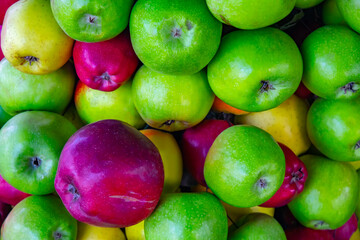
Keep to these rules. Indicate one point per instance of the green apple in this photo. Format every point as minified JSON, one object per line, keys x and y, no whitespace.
{"x":92,"y":21}
{"x":188,"y":216}
{"x":4,"y":117}
{"x":349,"y":9}
{"x":21,"y":91}
{"x":333,"y":127}
{"x":94,"y":105}
{"x":30,"y":146}
{"x":331,"y":14}
{"x":250,"y":14}
{"x":330,"y":194}
{"x":307,"y":3}
{"x":331,"y":62}
{"x":174,"y":37}
{"x":31,"y":40}
{"x":256,"y":70}
{"x":171,"y":102}
{"x":257,"y":226}
{"x":244,"y":166}
{"x":72,"y":115}
{"x":39,"y":217}
{"x":357,"y":211}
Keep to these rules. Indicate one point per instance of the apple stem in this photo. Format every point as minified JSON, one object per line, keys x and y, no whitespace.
{"x":31,"y":59}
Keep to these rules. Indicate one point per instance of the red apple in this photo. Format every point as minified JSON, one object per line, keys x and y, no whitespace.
{"x":346,"y":231}
{"x":9,"y":194}
{"x":195,"y":144}
{"x":4,"y":5}
{"x":303,"y":92}
{"x":303,"y":233}
{"x":294,"y":181}
{"x":1,"y":53}
{"x":109,"y":175}
{"x":4,"y":211}
{"x":105,"y":65}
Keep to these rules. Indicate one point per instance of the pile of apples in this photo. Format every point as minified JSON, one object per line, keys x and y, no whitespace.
{"x":179,"y":119}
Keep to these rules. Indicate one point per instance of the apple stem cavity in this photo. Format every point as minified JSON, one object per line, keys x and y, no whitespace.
{"x":31,"y":59}
{"x":176,"y":32}
{"x":73,"y":190}
{"x":349,"y":87}
{"x":296,"y":176}
{"x":35,"y":162}
{"x":266,"y":86}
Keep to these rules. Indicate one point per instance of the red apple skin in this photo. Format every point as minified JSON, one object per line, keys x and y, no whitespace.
{"x":1,"y":53}
{"x":195,"y":145}
{"x":346,"y":231}
{"x":303,"y":233}
{"x":9,"y":194}
{"x":4,"y":5}
{"x":105,"y":65}
{"x":303,"y":92}
{"x":109,"y":175}
{"x":4,"y":211}
{"x":294,"y":181}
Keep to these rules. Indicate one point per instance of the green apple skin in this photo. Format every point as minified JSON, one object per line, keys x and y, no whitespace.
{"x":21,"y":91}
{"x":331,"y":62}
{"x":188,"y":216}
{"x":4,"y":117}
{"x":247,"y":61}
{"x":333,"y":128}
{"x":30,"y":146}
{"x":349,"y":9}
{"x":357,"y":211}
{"x":330,"y":194}
{"x":307,"y":3}
{"x":39,"y":217}
{"x":174,"y":37}
{"x":92,"y":21}
{"x":93,"y":105}
{"x":257,"y":226}
{"x":245,"y":166}
{"x":72,"y":115}
{"x":250,"y":14}
{"x":171,"y":102}
{"x":331,"y":14}
{"x":31,"y":40}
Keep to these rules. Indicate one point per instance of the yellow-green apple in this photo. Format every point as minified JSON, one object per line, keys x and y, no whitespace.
{"x":9,"y":194}
{"x":330,"y":13}
{"x":94,"y":105}
{"x":170,"y":155}
{"x":72,"y":115}
{"x":92,"y":21}
{"x":4,"y":5}
{"x":244,"y":166}
{"x":171,"y":102}
{"x":30,"y":145}
{"x":248,"y":14}
{"x":174,"y":37}
{"x":307,"y":3}
{"x":135,"y":232}
{"x":105,"y":65}
{"x":39,"y":217}
{"x":31,"y":40}
{"x":22,"y":92}
{"x":90,"y":232}
{"x":256,"y":70}
{"x":286,"y":123}
{"x":349,"y":9}
{"x":330,"y":194}
{"x":331,"y":55}
{"x":109,"y":175}
{"x":187,"y":216}
{"x":333,"y":129}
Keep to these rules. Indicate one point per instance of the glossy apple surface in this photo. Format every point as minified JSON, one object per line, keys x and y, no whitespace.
{"x":349,"y":10}
{"x":9,"y":194}
{"x":110,"y":170}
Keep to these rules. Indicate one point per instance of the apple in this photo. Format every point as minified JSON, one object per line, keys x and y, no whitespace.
{"x":92,"y":21}
{"x":30,"y":146}
{"x":347,"y":230}
{"x":135,"y":232}
{"x":170,"y":102}
{"x":331,"y":55}
{"x":195,"y":145}
{"x":244,"y":166}
{"x":9,"y":194}
{"x":105,"y":65}
{"x":39,"y":217}
{"x":109,"y":175}
{"x":94,"y":105}
{"x":220,"y":106}
{"x":330,"y":13}
{"x":357,"y":211}
{"x":4,"y":5}
{"x":295,"y":178}
{"x":349,"y":9}
{"x":171,"y":158}
{"x":4,"y":211}
{"x":303,"y":92}
{"x":72,"y":115}
{"x":21,"y":91}
{"x":333,"y":129}
{"x":256,"y":226}
{"x":187,"y":216}
{"x":331,"y":188}
{"x":4,"y":117}
{"x":286,"y":123}
{"x":286,"y":219}
{"x":255,"y":70}
{"x":1,"y":53}
{"x":248,"y":14}
{"x":32,"y":41}
{"x":174,"y":37}
{"x":90,"y":232}
{"x":307,"y":3}
{"x":303,"y":233}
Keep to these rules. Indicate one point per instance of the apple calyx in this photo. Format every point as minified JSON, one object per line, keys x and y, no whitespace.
{"x":57,"y":235}
{"x":349,"y":87}
{"x":73,"y":190}
{"x":31,"y":59}
{"x":357,"y":145}
{"x":91,"y":19}
{"x":319,"y":224}
{"x":261,"y":183}
{"x":176,"y":32}
{"x":266,"y":86}
{"x":167,"y":123}
{"x":296,"y":177}
{"x":35,"y":162}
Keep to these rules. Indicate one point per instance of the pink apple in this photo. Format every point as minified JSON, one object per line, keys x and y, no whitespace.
{"x":196,"y":143}
{"x":303,"y":233}
{"x":9,"y":194}
{"x":4,"y":5}
{"x":1,"y":53}
{"x":346,"y":231}
{"x":109,"y":175}
{"x":105,"y":65}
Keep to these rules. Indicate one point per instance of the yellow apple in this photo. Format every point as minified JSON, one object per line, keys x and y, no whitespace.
{"x":135,"y":232}
{"x":286,"y":123}
{"x":171,"y":156}
{"x":31,"y":39}
{"x":90,"y":232}
{"x":355,"y":235}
